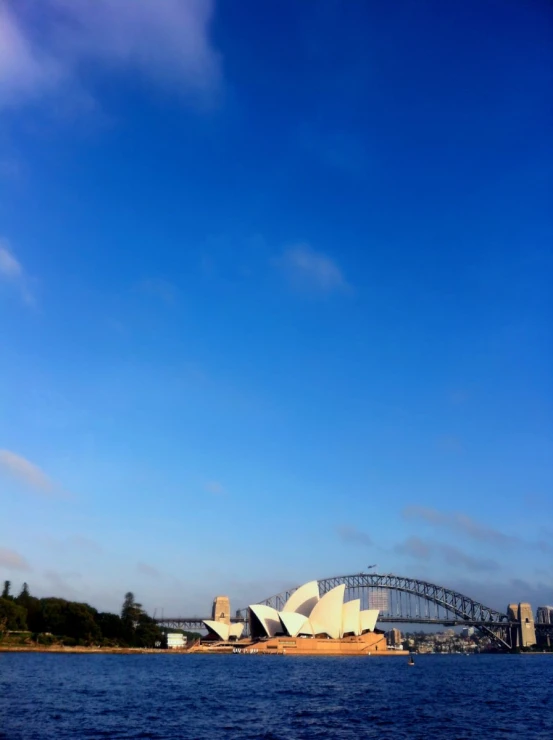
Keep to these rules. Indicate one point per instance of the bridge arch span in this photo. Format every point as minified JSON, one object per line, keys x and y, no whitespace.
{"x":449,"y":606}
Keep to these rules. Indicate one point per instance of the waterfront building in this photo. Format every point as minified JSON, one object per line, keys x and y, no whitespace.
{"x":309,"y":624}
{"x":176,"y":640}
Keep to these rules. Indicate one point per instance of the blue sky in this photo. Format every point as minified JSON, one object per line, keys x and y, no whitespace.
{"x":275,"y":297}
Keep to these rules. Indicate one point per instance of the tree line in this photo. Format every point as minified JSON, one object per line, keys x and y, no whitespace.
{"x":53,"y":620}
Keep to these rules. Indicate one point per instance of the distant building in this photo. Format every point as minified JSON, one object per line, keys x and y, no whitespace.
{"x":309,"y":623}
{"x":544,"y":615}
{"x":176,"y":640}
{"x":394,"y":637}
{"x":467,"y":632}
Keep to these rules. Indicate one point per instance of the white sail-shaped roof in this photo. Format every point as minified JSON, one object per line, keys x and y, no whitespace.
{"x":368,"y":619}
{"x":236,"y":630}
{"x":221,"y":629}
{"x":326,"y":617}
{"x":350,"y":617}
{"x":292,"y":622}
{"x":268,"y":618}
{"x":303,"y":599}
{"x":306,"y":629}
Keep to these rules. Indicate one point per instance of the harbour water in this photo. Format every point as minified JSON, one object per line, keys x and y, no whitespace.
{"x":196,"y":697}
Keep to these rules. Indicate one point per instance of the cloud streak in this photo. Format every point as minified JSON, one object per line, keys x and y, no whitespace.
{"x":148,"y":570}
{"x":166,"y":43}
{"x":12,"y":560}
{"x":353,"y":536}
{"x":159,"y":288}
{"x":12,"y":272}
{"x":26,"y":472}
{"x":73,"y":543}
{"x":460,"y":524}
{"x":214,"y":487}
{"x":420,"y":549}
{"x":305,"y":268}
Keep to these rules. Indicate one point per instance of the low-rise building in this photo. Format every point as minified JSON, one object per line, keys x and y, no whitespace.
{"x":176,"y":640}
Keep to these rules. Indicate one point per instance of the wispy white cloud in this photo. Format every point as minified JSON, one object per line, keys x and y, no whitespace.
{"x":11,"y":168}
{"x":25,"y":70}
{"x":12,"y":560}
{"x":26,"y":472}
{"x":309,"y":269}
{"x":73,"y":543}
{"x":44,"y":51}
{"x":83,"y":543}
{"x":59,"y":581}
{"x":450,"y":443}
{"x":339,"y":150}
{"x":12,"y":272}
{"x":353,"y":536}
{"x":148,"y":570}
{"x":213,"y":486}
{"x":415,"y":547}
{"x":461,"y":524}
{"x":159,"y":288}
{"x":459,"y":396}
{"x":420,"y":549}
{"x":10,"y":268}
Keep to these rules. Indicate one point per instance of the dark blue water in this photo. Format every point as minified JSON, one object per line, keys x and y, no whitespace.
{"x":47,"y":696}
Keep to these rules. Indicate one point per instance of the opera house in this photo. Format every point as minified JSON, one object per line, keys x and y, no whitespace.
{"x":308,"y":624}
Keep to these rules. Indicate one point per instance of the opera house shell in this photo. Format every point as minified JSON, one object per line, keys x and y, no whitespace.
{"x":309,"y":624}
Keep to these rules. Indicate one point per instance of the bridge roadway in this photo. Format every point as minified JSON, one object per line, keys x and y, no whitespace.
{"x":195,"y":623}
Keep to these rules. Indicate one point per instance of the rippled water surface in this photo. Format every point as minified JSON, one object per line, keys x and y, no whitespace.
{"x":47,"y":696}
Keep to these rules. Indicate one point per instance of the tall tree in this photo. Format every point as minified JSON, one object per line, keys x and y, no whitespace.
{"x":147,"y":633}
{"x":131,"y":612}
{"x":6,"y":590}
{"x":32,"y":605}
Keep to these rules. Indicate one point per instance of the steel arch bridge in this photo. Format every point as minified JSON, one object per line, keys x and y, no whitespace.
{"x":411,"y":601}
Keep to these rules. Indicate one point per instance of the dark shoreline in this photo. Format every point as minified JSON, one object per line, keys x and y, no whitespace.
{"x":86,"y":650}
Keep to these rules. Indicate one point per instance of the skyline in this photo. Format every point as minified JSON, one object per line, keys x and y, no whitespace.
{"x":275,"y":298}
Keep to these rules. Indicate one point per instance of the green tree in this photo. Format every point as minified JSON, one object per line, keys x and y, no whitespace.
{"x":111,"y":626}
{"x":130,"y":616}
{"x":131,"y":609}
{"x":147,"y":633}
{"x":70,"y":619}
{"x":12,"y":615}
{"x":6,"y":590}
{"x":32,"y":605}
{"x":139,"y":629}
{"x":24,"y":598}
